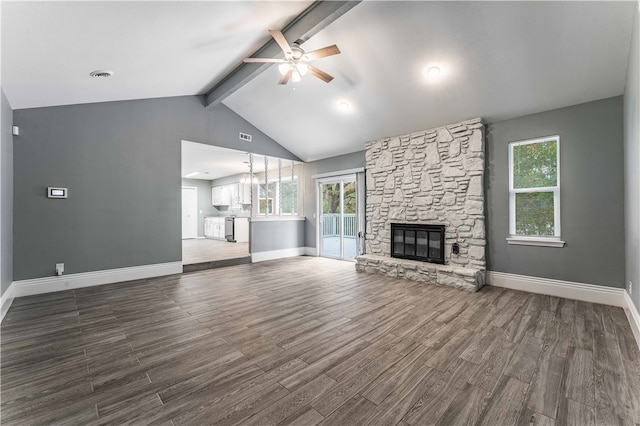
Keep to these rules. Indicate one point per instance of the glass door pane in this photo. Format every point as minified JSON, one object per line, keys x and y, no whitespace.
{"x":349,"y":219}
{"x":330,"y":229}
{"x":410,"y":243}
{"x":421,"y":243}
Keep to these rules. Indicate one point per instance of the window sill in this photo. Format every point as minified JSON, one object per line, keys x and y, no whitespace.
{"x":536,"y":241}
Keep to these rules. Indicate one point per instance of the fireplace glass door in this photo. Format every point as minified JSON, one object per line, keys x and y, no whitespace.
{"x":418,"y":242}
{"x":338,"y":218}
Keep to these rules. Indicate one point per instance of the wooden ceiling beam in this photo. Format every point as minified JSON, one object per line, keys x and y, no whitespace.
{"x":304,"y":26}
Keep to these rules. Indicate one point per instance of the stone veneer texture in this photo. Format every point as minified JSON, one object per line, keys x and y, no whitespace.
{"x":430,"y":177}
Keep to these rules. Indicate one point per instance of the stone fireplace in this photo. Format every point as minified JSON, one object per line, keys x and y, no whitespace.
{"x":433,"y":178}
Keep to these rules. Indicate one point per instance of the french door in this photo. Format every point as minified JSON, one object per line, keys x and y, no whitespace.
{"x":338,"y":208}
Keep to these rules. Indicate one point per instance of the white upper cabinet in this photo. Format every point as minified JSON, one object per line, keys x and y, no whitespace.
{"x":220,"y":195}
{"x":235,"y":195}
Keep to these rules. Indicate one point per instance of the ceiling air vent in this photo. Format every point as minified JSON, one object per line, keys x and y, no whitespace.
{"x":245,"y":137}
{"x":101,"y":74}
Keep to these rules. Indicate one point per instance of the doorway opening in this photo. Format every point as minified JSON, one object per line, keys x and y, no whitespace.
{"x":216,"y":207}
{"x":339,"y":217}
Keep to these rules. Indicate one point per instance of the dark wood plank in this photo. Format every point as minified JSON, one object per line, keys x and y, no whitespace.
{"x":467,"y":407}
{"x":578,"y":376}
{"x":531,"y":418}
{"x":355,"y":411}
{"x":572,"y":413}
{"x":351,"y":384}
{"x":290,"y":404}
{"x":442,"y":390}
{"x":506,"y":404}
{"x":524,"y":359}
{"x":545,"y":388}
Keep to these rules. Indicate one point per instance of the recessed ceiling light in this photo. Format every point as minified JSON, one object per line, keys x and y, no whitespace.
{"x":344,"y":105}
{"x":190,"y":174}
{"x":101,"y":74}
{"x":433,"y":72}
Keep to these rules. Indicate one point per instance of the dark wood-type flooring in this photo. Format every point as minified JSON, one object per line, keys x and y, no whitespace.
{"x":309,"y":341}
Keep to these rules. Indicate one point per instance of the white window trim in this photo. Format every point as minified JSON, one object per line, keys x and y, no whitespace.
{"x":546,"y":241}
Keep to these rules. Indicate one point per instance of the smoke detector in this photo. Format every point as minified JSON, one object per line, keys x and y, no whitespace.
{"x":101,"y":74}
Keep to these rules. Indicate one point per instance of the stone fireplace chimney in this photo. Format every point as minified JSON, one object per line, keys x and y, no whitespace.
{"x":433,"y":177}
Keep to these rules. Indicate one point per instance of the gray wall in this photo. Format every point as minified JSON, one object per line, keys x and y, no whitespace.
{"x":632,"y":164}
{"x":334,"y":164}
{"x":591,"y":191}
{"x":204,"y":200}
{"x":6,"y":195}
{"x":276,"y":235}
{"x":121,"y":163}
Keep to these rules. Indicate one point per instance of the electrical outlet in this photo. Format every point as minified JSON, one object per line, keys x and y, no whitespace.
{"x":59,"y":268}
{"x":630,"y":288}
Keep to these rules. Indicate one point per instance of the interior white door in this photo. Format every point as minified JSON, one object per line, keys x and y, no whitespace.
{"x":189,"y":212}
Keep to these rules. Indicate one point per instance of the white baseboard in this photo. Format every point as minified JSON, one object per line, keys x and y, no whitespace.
{"x":88,"y":279}
{"x":310,"y":251}
{"x":633,"y":316}
{"x":7,"y":300}
{"x":567,"y":289}
{"x":262,"y":256}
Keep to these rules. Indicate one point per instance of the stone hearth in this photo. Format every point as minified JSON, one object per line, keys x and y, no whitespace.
{"x":429,"y":177}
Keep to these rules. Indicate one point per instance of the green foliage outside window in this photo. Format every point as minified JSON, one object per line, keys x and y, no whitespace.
{"x":535,"y":165}
{"x":534,"y":214}
{"x":331,"y":198}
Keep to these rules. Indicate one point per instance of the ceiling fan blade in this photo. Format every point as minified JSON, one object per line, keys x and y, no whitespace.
{"x":263,"y":60}
{"x":321,"y":53}
{"x":282,"y":42}
{"x":285,"y":78}
{"x":320,"y":74}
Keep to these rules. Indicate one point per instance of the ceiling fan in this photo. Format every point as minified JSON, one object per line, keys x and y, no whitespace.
{"x":296,"y":61}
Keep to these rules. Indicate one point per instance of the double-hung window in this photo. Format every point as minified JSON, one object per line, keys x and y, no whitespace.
{"x":534,"y":192}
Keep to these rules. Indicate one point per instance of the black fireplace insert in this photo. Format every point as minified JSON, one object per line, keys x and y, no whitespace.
{"x":418,"y":242}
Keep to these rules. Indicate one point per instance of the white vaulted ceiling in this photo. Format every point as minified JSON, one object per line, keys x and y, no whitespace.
{"x":498,"y":60}
{"x":155,"y":49}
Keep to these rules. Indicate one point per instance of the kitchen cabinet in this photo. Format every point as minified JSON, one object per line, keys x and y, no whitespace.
{"x":244,"y":193}
{"x":240,"y":194}
{"x":220,"y":195}
{"x":235,"y":195}
{"x":214,"y":227}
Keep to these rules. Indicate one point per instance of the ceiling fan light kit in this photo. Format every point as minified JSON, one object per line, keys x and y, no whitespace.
{"x":295,"y":63}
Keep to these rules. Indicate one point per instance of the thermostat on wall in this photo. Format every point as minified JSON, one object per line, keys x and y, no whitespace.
{"x":57,"y":192}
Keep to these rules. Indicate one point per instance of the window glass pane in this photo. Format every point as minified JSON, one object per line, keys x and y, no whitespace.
{"x":434,"y":244}
{"x":421,"y":243}
{"x":535,"y":165}
{"x":398,"y":242}
{"x":350,"y":197}
{"x":535,"y":214}
{"x":288,"y":192}
{"x":331,"y":198}
{"x":266,"y":197}
{"x":410,"y":243}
